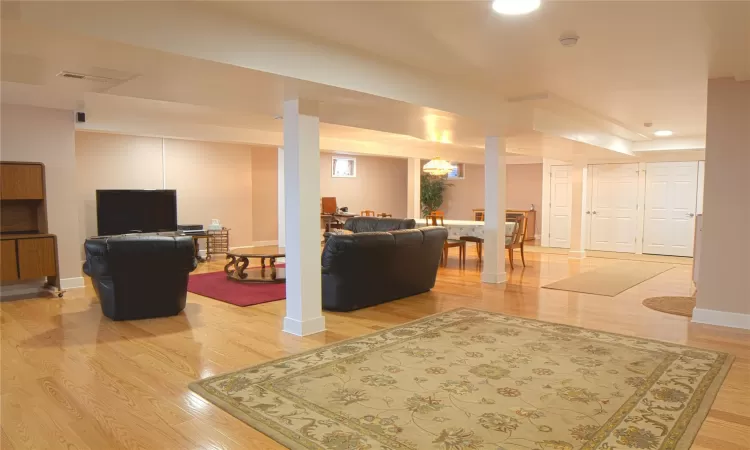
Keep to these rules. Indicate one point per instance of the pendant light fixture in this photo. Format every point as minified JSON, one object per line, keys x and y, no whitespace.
{"x":438,"y":167}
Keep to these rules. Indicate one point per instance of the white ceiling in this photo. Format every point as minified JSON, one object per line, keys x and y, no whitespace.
{"x":159,"y":93}
{"x":636,"y":61}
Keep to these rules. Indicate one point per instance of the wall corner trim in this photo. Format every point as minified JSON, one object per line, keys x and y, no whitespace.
{"x":72,"y":283}
{"x":721,"y":318}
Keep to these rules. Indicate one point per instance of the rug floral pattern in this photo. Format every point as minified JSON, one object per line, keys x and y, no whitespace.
{"x":470,"y":379}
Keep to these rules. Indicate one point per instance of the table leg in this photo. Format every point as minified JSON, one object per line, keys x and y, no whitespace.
{"x":273,"y":268}
{"x":232,"y":263}
{"x":262,"y":262}
{"x":240,"y":266}
{"x":197,"y":250}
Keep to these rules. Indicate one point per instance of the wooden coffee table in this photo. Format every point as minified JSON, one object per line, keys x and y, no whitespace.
{"x":236,"y":269}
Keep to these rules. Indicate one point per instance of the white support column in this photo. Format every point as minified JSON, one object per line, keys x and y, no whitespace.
{"x":302,"y":211}
{"x":281,"y":215}
{"x":578,"y":203}
{"x":494,"y":211}
{"x":413,"y":189}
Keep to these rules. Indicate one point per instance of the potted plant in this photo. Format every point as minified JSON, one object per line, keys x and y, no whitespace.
{"x":432,"y":188}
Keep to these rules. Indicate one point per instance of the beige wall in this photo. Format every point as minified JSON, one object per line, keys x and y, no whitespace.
{"x":213,"y":180}
{"x":265,"y":193}
{"x":48,"y":136}
{"x":110,"y":161}
{"x":464,"y":195}
{"x":380,"y":185}
{"x":724,"y":265}
{"x":524,"y":183}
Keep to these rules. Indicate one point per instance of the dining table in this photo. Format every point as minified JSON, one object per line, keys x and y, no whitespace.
{"x":473,"y":228}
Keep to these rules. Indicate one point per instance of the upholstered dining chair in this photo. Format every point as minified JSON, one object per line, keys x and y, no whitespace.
{"x":367,"y":213}
{"x":512,"y":241}
{"x":385,"y":215}
{"x":438,"y":220}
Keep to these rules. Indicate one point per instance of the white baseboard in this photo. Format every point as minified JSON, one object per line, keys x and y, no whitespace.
{"x":721,"y":318}
{"x":306,"y":327}
{"x":260,"y":244}
{"x":494,"y":278}
{"x":72,"y":283}
{"x":576,"y":254}
{"x":202,"y":252}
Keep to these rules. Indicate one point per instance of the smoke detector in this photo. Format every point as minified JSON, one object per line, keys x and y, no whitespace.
{"x":569,"y":39}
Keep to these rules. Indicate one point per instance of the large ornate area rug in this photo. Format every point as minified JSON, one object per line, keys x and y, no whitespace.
{"x":468,"y":379}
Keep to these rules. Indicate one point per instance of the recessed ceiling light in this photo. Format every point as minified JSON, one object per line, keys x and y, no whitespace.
{"x":662,"y":133}
{"x":515,"y":7}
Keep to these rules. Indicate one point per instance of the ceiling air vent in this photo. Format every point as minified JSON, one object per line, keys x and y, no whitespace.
{"x":83,"y":76}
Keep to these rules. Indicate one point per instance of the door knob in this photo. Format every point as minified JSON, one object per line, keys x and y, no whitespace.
{"x":691,"y":215}
{"x":593,"y":212}
{"x":588,"y":212}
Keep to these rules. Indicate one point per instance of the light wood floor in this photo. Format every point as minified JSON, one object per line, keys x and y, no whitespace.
{"x":73,"y":379}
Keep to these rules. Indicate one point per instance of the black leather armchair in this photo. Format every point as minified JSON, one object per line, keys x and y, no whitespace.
{"x":140,"y":276}
{"x":367,"y":224}
{"x":366,"y":269}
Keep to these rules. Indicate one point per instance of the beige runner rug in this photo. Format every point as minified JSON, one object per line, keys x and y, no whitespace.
{"x":612,"y":279}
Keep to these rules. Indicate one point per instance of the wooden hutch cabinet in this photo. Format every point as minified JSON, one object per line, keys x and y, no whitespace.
{"x":27,"y":250}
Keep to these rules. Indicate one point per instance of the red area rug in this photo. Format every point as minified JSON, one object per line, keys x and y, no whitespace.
{"x":215,"y":285}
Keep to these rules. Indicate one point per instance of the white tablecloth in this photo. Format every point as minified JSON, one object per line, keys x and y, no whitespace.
{"x":458,"y":228}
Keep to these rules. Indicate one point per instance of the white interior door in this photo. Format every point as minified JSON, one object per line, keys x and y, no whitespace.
{"x":560,"y":206}
{"x":671,"y":201}
{"x":614,"y":203}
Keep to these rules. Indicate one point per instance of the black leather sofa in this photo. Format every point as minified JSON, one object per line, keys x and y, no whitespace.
{"x":367,"y":224}
{"x":368,"y":268}
{"x":140,"y":276}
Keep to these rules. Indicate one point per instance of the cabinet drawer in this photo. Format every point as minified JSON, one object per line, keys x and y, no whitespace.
{"x":36,"y":258}
{"x":8,"y":262}
{"x":21,"y":182}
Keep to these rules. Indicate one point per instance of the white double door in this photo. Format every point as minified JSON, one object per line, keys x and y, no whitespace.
{"x":612,"y":214}
{"x":670,"y":207}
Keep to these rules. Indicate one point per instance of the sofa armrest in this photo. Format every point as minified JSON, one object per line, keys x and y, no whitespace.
{"x":96,"y":258}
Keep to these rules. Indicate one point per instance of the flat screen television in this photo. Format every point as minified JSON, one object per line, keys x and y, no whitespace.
{"x":135,"y":211}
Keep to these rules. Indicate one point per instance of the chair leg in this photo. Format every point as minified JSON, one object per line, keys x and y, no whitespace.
{"x":462,"y":253}
{"x":523,"y":260}
{"x":510,"y":257}
{"x":479,"y":251}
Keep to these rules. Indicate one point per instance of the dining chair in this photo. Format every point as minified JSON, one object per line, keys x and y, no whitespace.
{"x":439,"y":220}
{"x":516,"y":237}
{"x":478,"y":214}
{"x":367,"y":213}
{"x":433,"y":216}
{"x":385,"y":215}
{"x":512,"y":241}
